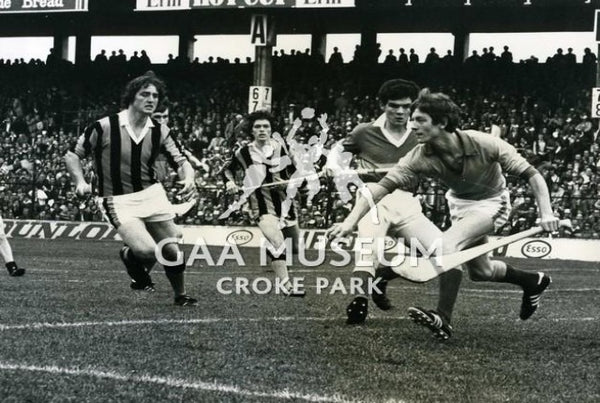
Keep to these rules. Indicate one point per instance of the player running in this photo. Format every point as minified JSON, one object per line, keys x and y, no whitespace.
{"x":125,"y":147}
{"x":470,"y":164}
{"x":380,"y":144}
{"x":264,"y":160}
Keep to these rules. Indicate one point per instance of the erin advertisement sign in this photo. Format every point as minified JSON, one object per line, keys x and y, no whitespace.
{"x":155,"y":5}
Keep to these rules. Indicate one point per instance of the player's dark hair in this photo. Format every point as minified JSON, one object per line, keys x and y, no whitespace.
{"x":439,"y":106}
{"x":132,"y":87}
{"x":163,"y":105}
{"x":397,"y":89}
{"x":259,"y":115}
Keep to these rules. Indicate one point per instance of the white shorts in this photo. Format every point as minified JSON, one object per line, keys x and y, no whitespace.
{"x":497,"y":208}
{"x":148,"y":205}
{"x":395,"y":211}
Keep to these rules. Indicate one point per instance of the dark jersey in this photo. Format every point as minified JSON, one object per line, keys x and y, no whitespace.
{"x":266,"y":200}
{"x":123,"y":165}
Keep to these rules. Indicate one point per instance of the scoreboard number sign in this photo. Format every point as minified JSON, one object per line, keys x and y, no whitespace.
{"x":259,"y":98}
{"x":596,"y":103}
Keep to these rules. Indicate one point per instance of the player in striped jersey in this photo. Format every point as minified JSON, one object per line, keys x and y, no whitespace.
{"x":380,"y":144}
{"x":162,"y":173}
{"x":125,"y":147}
{"x":265,"y":160}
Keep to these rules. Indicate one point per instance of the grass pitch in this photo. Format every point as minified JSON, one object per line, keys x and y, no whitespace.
{"x":72,"y":330}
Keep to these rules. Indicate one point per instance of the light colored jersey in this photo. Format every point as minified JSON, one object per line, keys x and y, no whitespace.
{"x":485,"y":158}
{"x":374,"y":147}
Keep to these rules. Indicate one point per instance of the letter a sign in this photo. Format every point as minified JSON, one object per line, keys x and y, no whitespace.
{"x":259,"y":30}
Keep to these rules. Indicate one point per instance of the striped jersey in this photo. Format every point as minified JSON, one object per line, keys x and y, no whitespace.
{"x":123,"y":164}
{"x":374,"y":147}
{"x":270,"y":160}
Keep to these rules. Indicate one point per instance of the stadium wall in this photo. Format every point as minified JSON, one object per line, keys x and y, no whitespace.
{"x":529,"y":248}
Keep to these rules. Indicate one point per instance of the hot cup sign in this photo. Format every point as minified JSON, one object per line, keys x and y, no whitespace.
{"x":145,"y":5}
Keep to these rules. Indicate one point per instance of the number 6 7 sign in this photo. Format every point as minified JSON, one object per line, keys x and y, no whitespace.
{"x":595,"y":103}
{"x":259,"y":99}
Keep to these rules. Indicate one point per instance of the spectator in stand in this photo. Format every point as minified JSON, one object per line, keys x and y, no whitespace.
{"x":101,"y":59}
{"x":402,"y":58}
{"x":336,"y":59}
{"x":217,"y":142}
{"x":432,"y":57}
{"x":62,"y":108}
{"x":390,"y":59}
{"x":506,"y":57}
{"x":413,"y":58}
{"x":233,"y":129}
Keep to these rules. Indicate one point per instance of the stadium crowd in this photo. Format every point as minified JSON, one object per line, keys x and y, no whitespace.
{"x":540,"y":108}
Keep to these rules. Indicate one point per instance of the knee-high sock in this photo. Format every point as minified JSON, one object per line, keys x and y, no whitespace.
{"x":386,"y":273}
{"x":135,"y":268}
{"x":364,"y":277}
{"x":449,"y":286}
{"x":176,"y":277}
{"x":505,"y":273}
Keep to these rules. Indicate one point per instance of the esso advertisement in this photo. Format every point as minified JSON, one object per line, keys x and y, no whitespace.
{"x":536,"y":249}
{"x":239,"y":237}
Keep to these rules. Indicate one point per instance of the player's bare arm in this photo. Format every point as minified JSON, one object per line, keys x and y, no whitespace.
{"x":548,"y":221}
{"x":75,"y":169}
{"x":361,"y":208}
{"x":230,"y":186}
{"x":186,"y":176}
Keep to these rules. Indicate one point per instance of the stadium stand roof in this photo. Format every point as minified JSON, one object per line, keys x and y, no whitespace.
{"x":118,"y":17}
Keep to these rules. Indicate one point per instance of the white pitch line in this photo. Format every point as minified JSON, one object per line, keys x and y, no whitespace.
{"x":58,"y":280}
{"x":174,"y":383}
{"x":59,"y":325}
{"x":142,"y":322}
{"x":578,"y":319}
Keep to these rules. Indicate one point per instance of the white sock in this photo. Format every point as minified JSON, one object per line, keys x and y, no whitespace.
{"x":5,"y":250}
